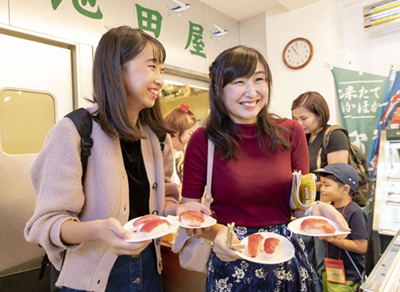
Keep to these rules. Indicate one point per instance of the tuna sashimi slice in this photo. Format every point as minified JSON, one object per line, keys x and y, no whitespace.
{"x":149,"y":226}
{"x":319,"y":224}
{"x":270,"y":245}
{"x":191,"y":218}
{"x":144,"y":219}
{"x":254,"y":244}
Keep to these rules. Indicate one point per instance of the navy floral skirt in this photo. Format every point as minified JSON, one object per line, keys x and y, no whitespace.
{"x":294,"y":275}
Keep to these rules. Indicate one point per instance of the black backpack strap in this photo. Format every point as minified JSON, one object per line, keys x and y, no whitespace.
{"x":328,"y":132}
{"x":83,"y":123}
{"x":45,"y":262}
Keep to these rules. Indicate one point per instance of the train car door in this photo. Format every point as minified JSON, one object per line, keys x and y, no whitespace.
{"x":36,"y":89}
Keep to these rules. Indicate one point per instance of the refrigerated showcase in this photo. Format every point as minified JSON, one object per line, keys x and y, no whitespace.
{"x":387,"y":196}
{"x":385,"y":277}
{"x":386,"y":216}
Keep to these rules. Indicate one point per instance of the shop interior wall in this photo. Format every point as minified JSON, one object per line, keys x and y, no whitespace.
{"x":335,"y":28}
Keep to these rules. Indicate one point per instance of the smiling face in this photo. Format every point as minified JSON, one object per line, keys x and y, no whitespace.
{"x":308,"y":120}
{"x":143,"y":78}
{"x":245,"y":97}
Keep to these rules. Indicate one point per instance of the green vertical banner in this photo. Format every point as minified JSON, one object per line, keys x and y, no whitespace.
{"x":359,"y":96}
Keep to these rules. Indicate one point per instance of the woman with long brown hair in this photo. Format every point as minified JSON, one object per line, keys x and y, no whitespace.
{"x":255,"y":155}
{"x":128,"y":174}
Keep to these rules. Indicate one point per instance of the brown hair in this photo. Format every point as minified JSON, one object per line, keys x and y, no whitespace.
{"x":117,"y":47}
{"x":239,"y":61}
{"x":179,"y":121}
{"x":314,"y":103}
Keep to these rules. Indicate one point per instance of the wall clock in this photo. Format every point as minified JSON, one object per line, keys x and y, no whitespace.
{"x":297,"y":53}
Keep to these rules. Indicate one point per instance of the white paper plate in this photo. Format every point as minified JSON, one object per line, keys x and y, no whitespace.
{"x":142,"y":236}
{"x":285,"y":252}
{"x":294,"y":226}
{"x":209,"y":221}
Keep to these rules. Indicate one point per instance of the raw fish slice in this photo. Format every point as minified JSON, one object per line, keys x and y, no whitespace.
{"x":155,"y":226}
{"x":317,"y":226}
{"x":144,"y":219}
{"x":270,"y":245}
{"x":191,"y":218}
{"x":254,"y":244}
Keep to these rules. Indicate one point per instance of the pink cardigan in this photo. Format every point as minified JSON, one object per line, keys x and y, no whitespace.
{"x":56,"y":178}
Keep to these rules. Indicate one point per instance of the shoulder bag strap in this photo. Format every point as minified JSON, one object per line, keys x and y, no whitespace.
{"x":210,"y":161}
{"x":358,"y":271}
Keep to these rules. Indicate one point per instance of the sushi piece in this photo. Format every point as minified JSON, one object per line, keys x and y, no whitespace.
{"x":137,"y":224}
{"x":317,"y":226}
{"x":254,"y":244}
{"x":155,"y":227}
{"x":191,"y":218}
{"x":271,"y":246}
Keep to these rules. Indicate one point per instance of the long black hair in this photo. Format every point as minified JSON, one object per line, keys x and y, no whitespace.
{"x":117,"y":47}
{"x":236,"y":62}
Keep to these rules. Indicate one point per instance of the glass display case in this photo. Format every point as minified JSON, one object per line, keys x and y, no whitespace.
{"x":386,"y":210}
{"x":385,"y":277}
{"x":387,"y":199}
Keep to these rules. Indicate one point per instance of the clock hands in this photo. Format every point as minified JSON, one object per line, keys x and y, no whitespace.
{"x":295,"y":51}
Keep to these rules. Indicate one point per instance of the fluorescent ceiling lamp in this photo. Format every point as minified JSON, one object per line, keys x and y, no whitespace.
{"x":381,"y":12}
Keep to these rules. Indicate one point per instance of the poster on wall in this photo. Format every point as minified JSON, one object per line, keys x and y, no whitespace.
{"x":359,"y":96}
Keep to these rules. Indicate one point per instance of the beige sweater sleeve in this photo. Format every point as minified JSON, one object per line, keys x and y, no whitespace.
{"x":56,"y":178}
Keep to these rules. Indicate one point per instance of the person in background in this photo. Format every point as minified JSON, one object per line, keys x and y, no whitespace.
{"x":182,"y":121}
{"x":86,"y":222}
{"x":312,"y":112}
{"x":255,"y":155}
{"x":338,"y":182}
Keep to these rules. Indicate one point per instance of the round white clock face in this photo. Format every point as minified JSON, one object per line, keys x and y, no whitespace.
{"x":297,"y":53}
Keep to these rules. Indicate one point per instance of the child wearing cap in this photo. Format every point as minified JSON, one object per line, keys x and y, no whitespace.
{"x":339,"y":180}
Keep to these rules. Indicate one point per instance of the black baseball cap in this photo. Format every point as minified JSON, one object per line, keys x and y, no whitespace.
{"x":344,"y":172}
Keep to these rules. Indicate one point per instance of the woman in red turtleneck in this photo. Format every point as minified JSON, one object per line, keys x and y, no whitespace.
{"x":255,"y":155}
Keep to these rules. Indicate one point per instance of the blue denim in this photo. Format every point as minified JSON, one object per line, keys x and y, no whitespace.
{"x":312,"y":243}
{"x":133,"y":274}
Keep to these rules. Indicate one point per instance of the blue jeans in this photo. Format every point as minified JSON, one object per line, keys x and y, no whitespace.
{"x":133,"y":274}
{"x":314,"y":243}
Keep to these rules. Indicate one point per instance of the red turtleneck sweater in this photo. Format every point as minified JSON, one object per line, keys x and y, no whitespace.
{"x":253,"y":191}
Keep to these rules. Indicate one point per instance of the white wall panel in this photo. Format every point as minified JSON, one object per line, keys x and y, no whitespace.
{"x":253,"y":33}
{"x":67,"y":22}
{"x":4,"y":11}
{"x":216,"y":45}
{"x":335,"y":29}
{"x":315,"y":23}
{"x":175,"y":33}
